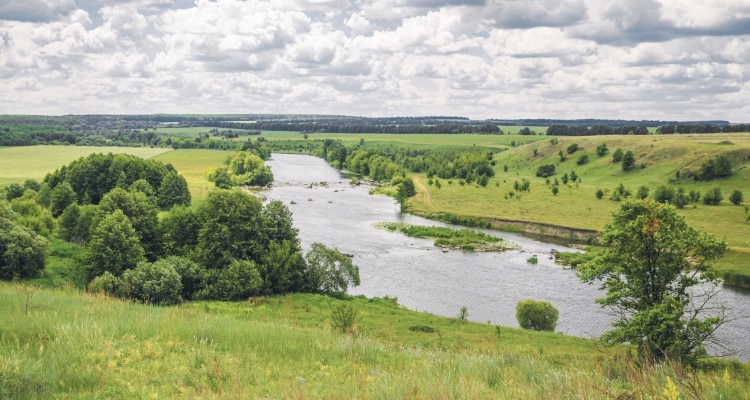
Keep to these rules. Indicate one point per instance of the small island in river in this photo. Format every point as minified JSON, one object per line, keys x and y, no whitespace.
{"x":449,"y":238}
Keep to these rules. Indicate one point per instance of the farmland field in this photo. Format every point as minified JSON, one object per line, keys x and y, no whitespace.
{"x":192,"y":164}
{"x":34,"y":162}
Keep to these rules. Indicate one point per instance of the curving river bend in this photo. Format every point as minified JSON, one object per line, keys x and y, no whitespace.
{"x":426,"y":279}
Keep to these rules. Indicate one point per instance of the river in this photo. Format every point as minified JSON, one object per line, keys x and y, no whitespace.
{"x":426,"y":279}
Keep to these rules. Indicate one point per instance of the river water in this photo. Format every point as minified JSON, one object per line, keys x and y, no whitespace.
{"x":426,"y":279}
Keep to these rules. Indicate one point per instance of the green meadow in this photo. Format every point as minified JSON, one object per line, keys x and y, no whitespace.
{"x":64,"y":343}
{"x":33,"y":162}
{"x":192,"y":164}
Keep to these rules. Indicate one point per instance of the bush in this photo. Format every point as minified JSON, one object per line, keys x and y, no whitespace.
{"x":344,"y":319}
{"x":642,"y":192}
{"x":599,"y":194}
{"x":238,"y":281}
{"x":536,"y":315}
{"x":583,"y":159}
{"x":107,"y":284}
{"x":532,"y":260}
{"x":617,"y":155}
{"x":329,"y":271}
{"x":555,"y":190}
{"x":192,"y":276}
{"x":664,"y":194}
{"x":713,"y":197}
{"x":736,"y":197}
{"x":602,"y":150}
{"x":156,"y":283}
{"x":22,"y":252}
{"x":422,"y":328}
{"x":545,"y":170}
{"x":628,"y":161}
{"x":463,"y":313}
{"x":572,"y":148}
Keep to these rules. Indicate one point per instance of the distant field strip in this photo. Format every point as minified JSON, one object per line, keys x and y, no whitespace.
{"x":34,"y":162}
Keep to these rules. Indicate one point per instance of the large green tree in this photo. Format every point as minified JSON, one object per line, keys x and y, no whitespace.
{"x":22,"y":252}
{"x":62,"y":196}
{"x":329,"y":271}
{"x":114,"y":246}
{"x":657,"y":277}
{"x":173,"y":191}
{"x":142,"y":215}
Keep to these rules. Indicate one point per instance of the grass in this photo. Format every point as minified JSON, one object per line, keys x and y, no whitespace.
{"x":467,"y":239}
{"x":67,"y":344}
{"x":33,"y":162}
{"x":192,"y":164}
{"x":576,"y":205}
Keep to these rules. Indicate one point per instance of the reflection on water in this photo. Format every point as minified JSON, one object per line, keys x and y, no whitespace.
{"x":426,"y":279}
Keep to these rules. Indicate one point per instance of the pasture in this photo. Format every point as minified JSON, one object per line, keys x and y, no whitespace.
{"x":33,"y":162}
{"x":192,"y":164}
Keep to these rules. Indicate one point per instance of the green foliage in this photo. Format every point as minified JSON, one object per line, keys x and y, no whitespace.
{"x":422,"y":328}
{"x":32,"y":184}
{"x":247,"y":169}
{"x":555,"y":190}
{"x":330,"y":272}
{"x":44,"y":195}
{"x":114,"y":246}
{"x":664,"y":194}
{"x":443,"y":236}
{"x":279,"y":268}
{"x":628,"y":161}
{"x":736,"y":197}
{"x":536,"y":315}
{"x":179,"y":228}
{"x":68,"y":222}
{"x":649,"y":246}
{"x":239,"y":280}
{"x":713,"y":197}
{"x":463,"y":313}
{"x":532,"y":260}
{"x":193,"y":277}
{"x":721,"y":167}
{"x":599,"y":194}
{"x":545,"y":170}
{"x":694,"y":196}
{"x":602,"y":150}
{"x":583,"y":159}
{"x":406,"y":188}
{"x":14,"y":191}
{"x":31,"y":215}
{"x":617,"y":155}
{"x":220,"y":177}
{"x":642,"y":193}
{"x":142,"y":185}
{"x":564,"y":178}
{"x":156,"y":283}
{"x":572,"y":148}
{"x":344,"y":318}
{"x":107,"y":284}
{"x":61,"y":197}
{"x":680,"y":199}
{"x":173,"y":191}
{"x":232,"y":229}
{"x":142,"y":215}
{"x":23,"y":253}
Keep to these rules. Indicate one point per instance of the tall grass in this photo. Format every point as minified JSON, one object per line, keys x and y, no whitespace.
{"x":444,"y":236}
{"x":74,"y":345}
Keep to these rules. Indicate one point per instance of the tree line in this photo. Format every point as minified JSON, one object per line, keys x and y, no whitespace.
{"x":596,"y":130}
{"x":344,"y":127}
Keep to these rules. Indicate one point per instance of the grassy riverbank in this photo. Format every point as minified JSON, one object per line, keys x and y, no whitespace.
{"x":65,"y":343}
{"x":466,"y":239}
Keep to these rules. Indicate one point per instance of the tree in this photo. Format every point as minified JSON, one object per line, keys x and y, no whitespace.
{"x":573,"y":176}
{"x":599,"y":194}
{"x":555,"y":190}
{"x":628,"y":161}
{"x":545,"y":170}
{"x":173,"y":191}
{"x":68,"y":222}
{"x":192,"y":276}
{"x":277,"y":268}
{"x":232,"y":229}
{"x":736,"y":197}
{"x":142,"y":214}
{"x":62,"y":196}
{"x":572,"y":148}
{"x":114,"y":246}
{"x":32,"y":184}
{"x":156,"y":283}
{"x":723,"y":166}
{"x":642,"y":192}
{"x":536,"y":315}
{"x":653,"y":259}
{"x":583,"y":159}
{"x":602,"y":150}
{"x":406,"y":188}
{"x":23,"y":253}
{"x":44,"y":196}
{"x":713,"y":197}
{"x":664,"y":194}
{"x":180,"y":227}
{"x":680,"y":200}
{"x":238,"y":281}
{"x":221,"y":178}
{"x":142,"y":185}
{"x":329,"y":271}
{"x":14,"y":191}
{"x":617,"y":155}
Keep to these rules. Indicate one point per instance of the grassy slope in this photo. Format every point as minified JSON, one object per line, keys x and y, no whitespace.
{"x":33,"y":162}
{"x":73,"y":345}
{"x":192,"y":164}
{"x":576,"y":206}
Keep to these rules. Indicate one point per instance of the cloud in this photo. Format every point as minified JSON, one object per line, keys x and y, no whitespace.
{"x":35,"y":10}
{"x":524,"y":14}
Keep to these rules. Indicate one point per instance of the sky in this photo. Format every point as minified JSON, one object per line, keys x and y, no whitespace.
{"x":630,"y":59}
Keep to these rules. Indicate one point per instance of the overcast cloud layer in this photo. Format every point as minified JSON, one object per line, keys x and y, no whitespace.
{"x":639,"y":59}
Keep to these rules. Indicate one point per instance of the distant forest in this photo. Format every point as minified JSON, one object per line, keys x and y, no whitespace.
{"x":142,"y":130}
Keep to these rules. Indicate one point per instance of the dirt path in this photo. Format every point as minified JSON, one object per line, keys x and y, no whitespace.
{"x":423,"y":194}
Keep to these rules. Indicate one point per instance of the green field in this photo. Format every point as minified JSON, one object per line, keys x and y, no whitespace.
{"x":576,"y":205}
{"x":33,"y":162}
{"x":67,"y":344}
{"x":192,"y":164}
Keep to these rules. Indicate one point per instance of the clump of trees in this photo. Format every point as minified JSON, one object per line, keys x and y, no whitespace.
{"x":22,"y":251}
{"x":244,"y":168}
{"x":545,"y":170}
{"x":653,"y":259}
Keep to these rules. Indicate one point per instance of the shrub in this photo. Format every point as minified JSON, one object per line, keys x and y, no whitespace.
{"x":602,"y":150}
{"x":22,"y":252}
{"x":156,"y":283}
{"x":680,"y":200}
{"x":107,"y":284}
{"x":61,"y":197}
{"x":536,"y":315}
{"x":344,"y":318}
{"x":736,"y":197}
{"x":192,"y":276}
{"x":463,"y":313}
{"x":329,"y":271}
{"x":545,"y":170}
{"x":599,"y":194}
{"x":555,"y":190}
{"x":572,"y":148}
{"x":422,"y":328}
{"x":114,"y":246}
{"x":642,"y":192}
{"x":532,"y":260}
{"x":713,"y":197}
{"x":583,"y":159}
{"x":617,"y":155}
{"x":664,"y":194}
{"x":694,"y":196}
{"x":628,"y":161}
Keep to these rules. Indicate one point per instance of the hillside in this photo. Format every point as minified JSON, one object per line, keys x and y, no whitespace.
{"x":64,"y":343}
{"x":576,"y":205}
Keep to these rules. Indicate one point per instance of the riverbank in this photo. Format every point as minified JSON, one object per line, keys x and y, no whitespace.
{"x":284,"y":347}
